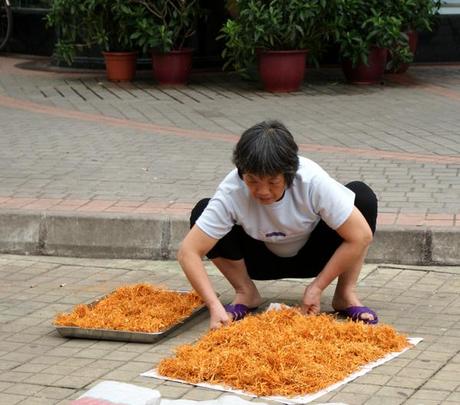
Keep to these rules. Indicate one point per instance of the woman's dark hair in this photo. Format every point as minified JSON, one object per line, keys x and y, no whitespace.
{"x":267,"y":149}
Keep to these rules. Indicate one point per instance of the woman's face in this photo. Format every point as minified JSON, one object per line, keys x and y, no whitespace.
{"x":265,"y":189}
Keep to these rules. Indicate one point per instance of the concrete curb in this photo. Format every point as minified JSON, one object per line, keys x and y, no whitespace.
{"x":117,"y":236}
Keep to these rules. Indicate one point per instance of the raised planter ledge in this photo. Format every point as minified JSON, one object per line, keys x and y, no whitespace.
{"x":142,"y":236}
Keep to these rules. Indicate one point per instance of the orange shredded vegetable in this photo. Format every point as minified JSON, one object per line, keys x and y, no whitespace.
{"x":282,"y":353}
{"x":136,"y":308}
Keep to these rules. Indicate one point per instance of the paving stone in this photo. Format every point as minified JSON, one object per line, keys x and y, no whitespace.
{"x":122,"y":356}
{"x":31,"y":368}
{"x":47,"y":360}
{"x":394,"y":382}
{"x":120,"y":375}
{"x":416,"y":372}
{"x":43,"y":379}
{"x":396,"y":392}
{"x":376,"y":400}
{"x":447,"y":375}
{"x":419,"y":401}
{"x":441,"y":384}
{"x":454,"y":397}
{"x":355,"y":398}
{"x":78,"y":343}
{"x":90,"y":353}
{"x":201,"y":394}
{"x":173,"y":392}
{"x":70,"y":381}
{"x":56,"y":393}
{"x":426,"y":394}
{"x":60,"y":369}
{"x":443,"y":347}
{"x":106,"y":364}
{"x":38,"y":401}
{"x":10,"y":398}
{"x":4,"y":385}
{"x":8,"y":365}
{"x":388,"y":370}
{"x":107,"y":345}
{"x":89,"y":372}
{"x":14,"y":376}
{"x":364,"y":389}
{"x":24,"y":389}
{"x":406,"y":382}
{"x":138,"y":367}
{"x":374,"y":379}
{"x":429,"y":355}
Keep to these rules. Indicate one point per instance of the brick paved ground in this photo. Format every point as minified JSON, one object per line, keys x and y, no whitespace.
{"x":75,"y":142}
{"x":37,"y":366}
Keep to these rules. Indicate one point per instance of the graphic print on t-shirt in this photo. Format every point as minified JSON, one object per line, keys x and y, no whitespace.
{"x":270,"y":234}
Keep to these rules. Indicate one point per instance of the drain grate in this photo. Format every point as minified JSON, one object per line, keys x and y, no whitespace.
{"x":201,"y":89}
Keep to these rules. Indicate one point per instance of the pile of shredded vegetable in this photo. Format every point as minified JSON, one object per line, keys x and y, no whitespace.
{"x":136,"y":308}
{"x":282,"y":353}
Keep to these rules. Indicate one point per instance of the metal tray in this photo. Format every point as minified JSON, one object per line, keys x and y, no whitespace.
{"x":121,"y":335}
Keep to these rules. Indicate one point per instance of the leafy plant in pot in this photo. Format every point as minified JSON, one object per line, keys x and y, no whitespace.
{"x":416,"y":15}
{"x":364,"y":31}
{"x":276,"y":35}
{"x":165,"y":29}
{"x":105,"y":24}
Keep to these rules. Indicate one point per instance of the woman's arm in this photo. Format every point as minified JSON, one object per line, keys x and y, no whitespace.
{"x":191,"y":252}
{"x":357,"y":236}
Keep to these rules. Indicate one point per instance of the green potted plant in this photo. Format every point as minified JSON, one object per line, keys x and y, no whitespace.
{"x":416,"y":15}
{"x":277,"y":35}
{"x":164,"y":29}
{"x":364,"y":31}
{"x":106,"y":24}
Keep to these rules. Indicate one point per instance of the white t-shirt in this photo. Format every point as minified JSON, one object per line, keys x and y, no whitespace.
{"x":285,"y":225}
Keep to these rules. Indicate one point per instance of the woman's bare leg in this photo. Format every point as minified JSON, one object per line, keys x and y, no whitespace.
{"x":236,"y":273}
{"x":345,"y":291}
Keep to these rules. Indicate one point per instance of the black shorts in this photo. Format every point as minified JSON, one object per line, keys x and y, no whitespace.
{"x":263,"y":264}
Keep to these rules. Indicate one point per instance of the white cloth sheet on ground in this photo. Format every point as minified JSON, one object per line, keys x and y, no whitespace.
{"x":298,"y":399}
{"x":117,"y":393}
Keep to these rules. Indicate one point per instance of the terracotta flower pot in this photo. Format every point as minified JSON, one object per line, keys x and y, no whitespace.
{"x":282,"y":71}
{"x":367,"y":74}
{"x":172,"y":68}
{"x":120,"y":66}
